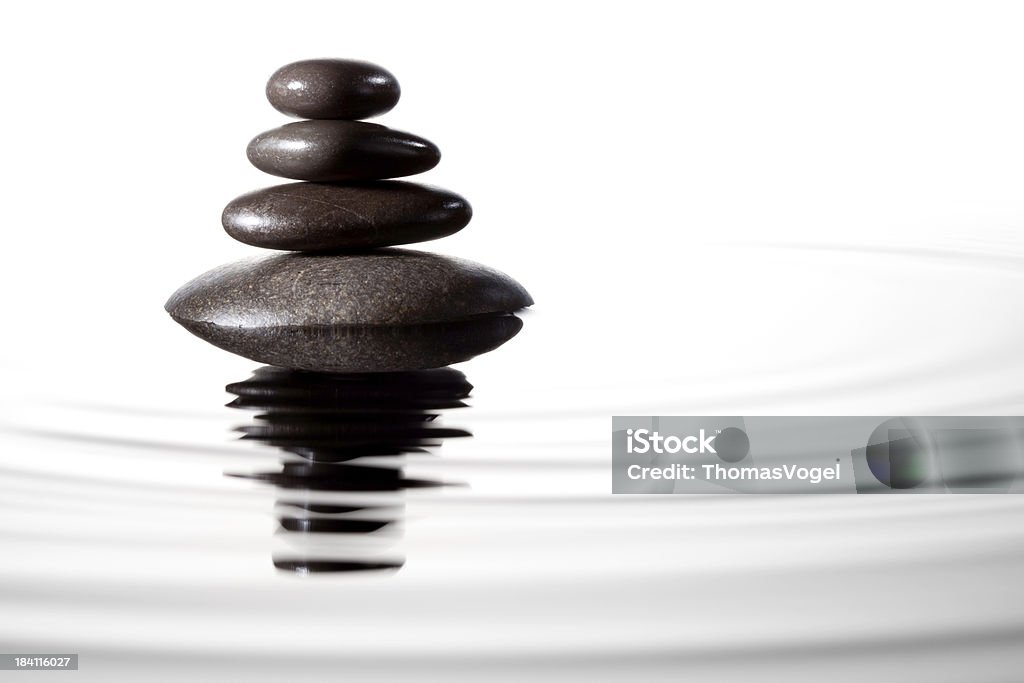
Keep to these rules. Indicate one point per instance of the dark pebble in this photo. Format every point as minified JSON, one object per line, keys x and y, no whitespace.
{"x":381,"y":311}
{"x":341,"y":151}
{"x":328,"y":217}
{"x":332,"y":89}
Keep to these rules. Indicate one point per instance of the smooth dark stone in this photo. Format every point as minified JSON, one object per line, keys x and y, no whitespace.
{"x":341,"y":151}
{"x":330,"y":217}
{"x":332,"y":89}
{"x":380,"y":311}
{"x":377,"y":288}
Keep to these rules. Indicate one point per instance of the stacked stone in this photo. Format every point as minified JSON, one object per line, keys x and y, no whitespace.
{"x":345,"y":302}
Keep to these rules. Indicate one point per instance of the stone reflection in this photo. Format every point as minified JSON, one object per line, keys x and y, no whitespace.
{"x":343,"y":439}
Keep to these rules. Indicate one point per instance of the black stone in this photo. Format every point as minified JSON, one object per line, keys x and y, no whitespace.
{"x":341,"y":151}
{"x":380,"y":311}
{"x":332,"y":89}
{"x":330,"y":217}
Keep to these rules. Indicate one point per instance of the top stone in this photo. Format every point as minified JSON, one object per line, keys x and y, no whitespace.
{"x":332,"y":89}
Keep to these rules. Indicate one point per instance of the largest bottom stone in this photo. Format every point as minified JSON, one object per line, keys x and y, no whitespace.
{"x":380,"y":311}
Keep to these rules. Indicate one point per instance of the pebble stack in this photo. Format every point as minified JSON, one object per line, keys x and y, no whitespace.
{"x":342,"y":299}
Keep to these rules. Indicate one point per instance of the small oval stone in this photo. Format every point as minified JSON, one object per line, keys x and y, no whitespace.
{"x":332,"y":89}
{"x":330,"y":217}
{"x":381,"y":311}
{"x":341,"y":151}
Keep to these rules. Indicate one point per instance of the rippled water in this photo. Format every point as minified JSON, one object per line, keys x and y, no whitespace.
{"x":123,"y":540}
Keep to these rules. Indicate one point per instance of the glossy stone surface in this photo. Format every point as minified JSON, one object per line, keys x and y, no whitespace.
{"x":327,"y":217}
{"x":332,"y":89}
{"x":341,"y":151}
{"x":380,"y":311}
